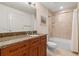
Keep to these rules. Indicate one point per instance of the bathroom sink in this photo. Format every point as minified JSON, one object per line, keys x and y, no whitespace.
{"x":34,"y":35}
{"x":16,"y":37}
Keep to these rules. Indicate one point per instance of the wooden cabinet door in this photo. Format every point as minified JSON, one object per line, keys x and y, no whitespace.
{"x":42,"y":50}
{"x":34,"y":47}
{"x":34,"y":51}
{"x":43,"y":46}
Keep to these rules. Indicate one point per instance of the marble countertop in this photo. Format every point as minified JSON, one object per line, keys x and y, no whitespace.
{"x":14,"y":39}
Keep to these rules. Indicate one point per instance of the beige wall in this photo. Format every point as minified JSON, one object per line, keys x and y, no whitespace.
{"x":62,"y":24}
{"x":58,"y":25}
{"x":41,"y":11}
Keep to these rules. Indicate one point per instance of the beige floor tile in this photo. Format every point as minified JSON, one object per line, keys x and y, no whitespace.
{"x":60,"y":52}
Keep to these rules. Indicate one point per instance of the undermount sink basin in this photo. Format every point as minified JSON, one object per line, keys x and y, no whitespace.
{"x":34,"y":35}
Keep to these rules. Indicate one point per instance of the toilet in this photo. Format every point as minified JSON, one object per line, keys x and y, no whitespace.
{"x":51,"y":44}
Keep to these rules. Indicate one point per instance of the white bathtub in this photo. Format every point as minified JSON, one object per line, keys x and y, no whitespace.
{"x":60,"y":43}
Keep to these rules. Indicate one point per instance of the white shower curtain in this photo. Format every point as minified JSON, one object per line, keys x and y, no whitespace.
{"x":74,"y":37}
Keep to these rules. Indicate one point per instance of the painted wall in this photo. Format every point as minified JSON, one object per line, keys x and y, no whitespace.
{"x":41,"y":11}
{"x":12,"y":20}
{"x":50,"y":23}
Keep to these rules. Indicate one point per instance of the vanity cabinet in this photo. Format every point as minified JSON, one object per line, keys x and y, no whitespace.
{"x":16,"y":49}
{"x":31,"y":47}
{"x":38,"y":46}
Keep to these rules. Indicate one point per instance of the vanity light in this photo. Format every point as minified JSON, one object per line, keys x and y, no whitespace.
{"x":30,"y":3}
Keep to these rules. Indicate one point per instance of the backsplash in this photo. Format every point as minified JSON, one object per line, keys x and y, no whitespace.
{"x":17,"y":33}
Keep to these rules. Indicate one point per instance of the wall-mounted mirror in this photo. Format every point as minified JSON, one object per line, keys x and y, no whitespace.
{"x":16,"y":16}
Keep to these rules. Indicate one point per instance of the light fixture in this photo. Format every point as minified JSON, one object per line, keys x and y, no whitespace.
{"x":30,"y":3}
{"x":61,"y":7}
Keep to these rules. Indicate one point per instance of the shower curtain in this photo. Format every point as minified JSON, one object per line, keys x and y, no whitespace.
{"x":74,"y":37}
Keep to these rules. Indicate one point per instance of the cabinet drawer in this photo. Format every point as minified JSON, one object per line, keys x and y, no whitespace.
{"x":43,"y":40}
{"x":43,"y":37}
{"x":35,"y":41}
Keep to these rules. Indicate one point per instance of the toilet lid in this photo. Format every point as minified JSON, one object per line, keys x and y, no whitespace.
{"x":51,"y":43}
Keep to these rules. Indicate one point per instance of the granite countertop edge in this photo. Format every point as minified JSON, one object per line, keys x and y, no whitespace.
{"x":7,"y":42}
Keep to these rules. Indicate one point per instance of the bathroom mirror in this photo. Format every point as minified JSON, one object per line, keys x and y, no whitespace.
{"x":16,"y":17}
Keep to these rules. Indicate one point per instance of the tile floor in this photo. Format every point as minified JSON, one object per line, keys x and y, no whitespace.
{"x":60,"y":52}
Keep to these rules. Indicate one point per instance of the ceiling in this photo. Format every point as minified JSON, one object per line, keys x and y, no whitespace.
{"x":52,"y":6}
{"x":20,"y":6}
{"x":55,"y":6}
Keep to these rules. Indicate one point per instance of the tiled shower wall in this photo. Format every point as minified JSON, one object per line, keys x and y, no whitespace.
{"x":61,"y":24}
